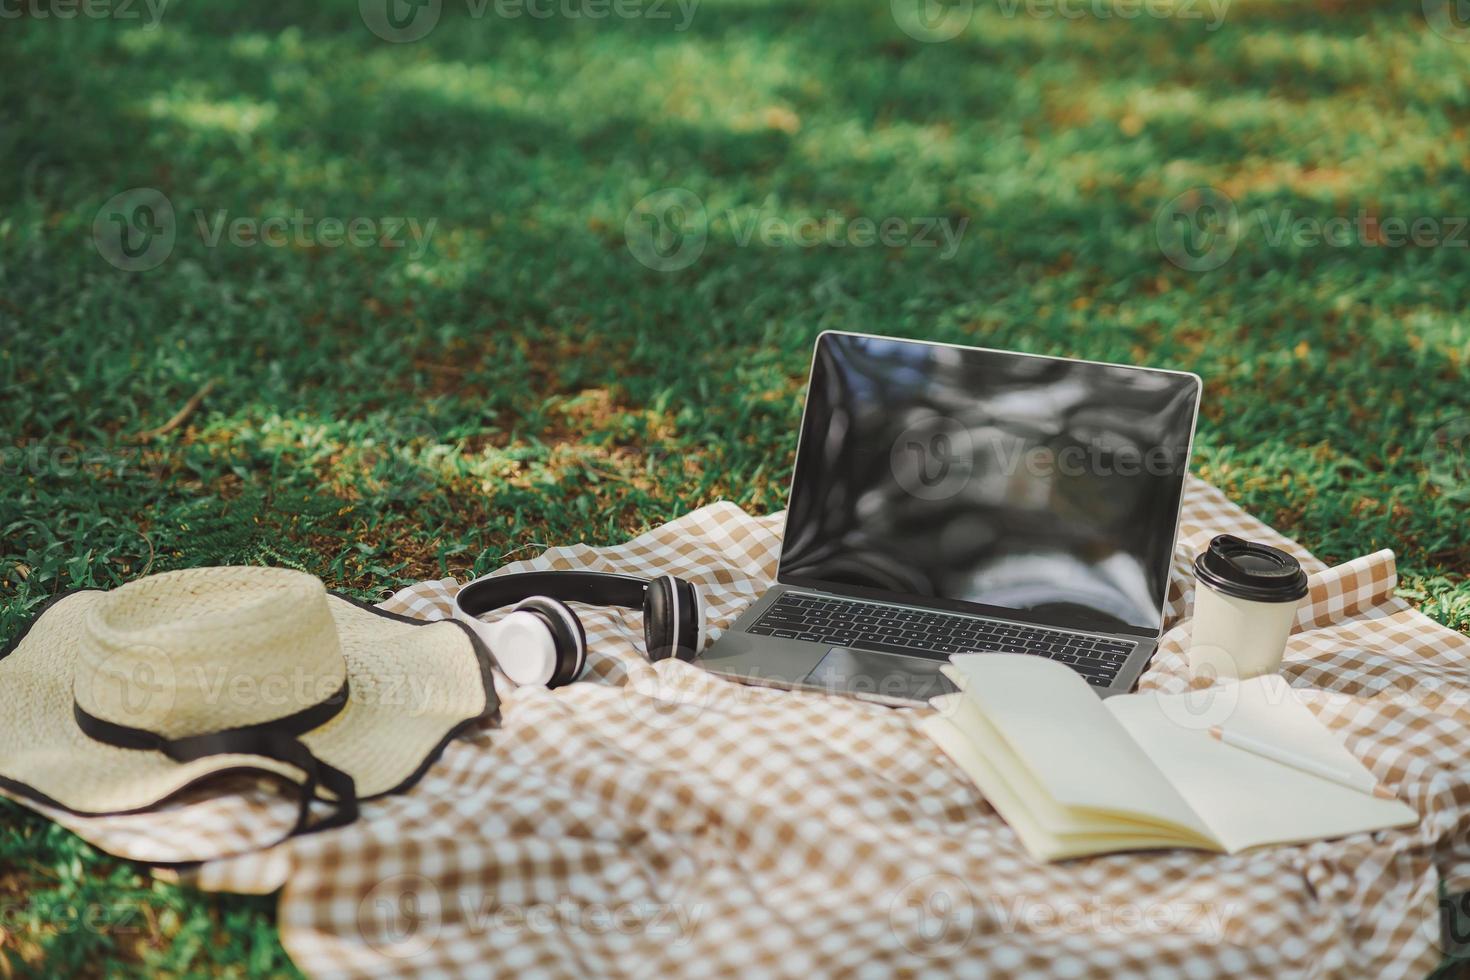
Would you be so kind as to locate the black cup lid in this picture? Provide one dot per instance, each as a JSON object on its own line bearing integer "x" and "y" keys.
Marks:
{"x": 1246, "y": 570}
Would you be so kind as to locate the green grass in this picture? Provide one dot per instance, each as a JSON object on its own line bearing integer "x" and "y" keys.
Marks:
{"x": 383, "y": 414}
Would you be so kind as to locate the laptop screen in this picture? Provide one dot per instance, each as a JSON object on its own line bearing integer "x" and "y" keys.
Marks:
{"x": 986, "y": 481}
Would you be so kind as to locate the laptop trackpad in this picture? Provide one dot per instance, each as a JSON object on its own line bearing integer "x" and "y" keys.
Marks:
{"x": 878, "y": 675}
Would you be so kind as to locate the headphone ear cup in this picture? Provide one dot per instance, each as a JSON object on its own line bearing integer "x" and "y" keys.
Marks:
{"x": 567, "y": 634}
{"x": 673, "y": 624}
{"x": 524, "y": 647}
{"x": 691, "y": 644}
{"x": 658, "y": 619}
{"x": 691, "y": 620}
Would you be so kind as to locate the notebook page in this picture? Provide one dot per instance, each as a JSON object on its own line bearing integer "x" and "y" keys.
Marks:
{"x": 1001, "y": 764}
{"x": 1246, "y": 800}
{"x": 1067, "y": 740}
{"x": 998, "y": 793}
{"x": 1256, "y": 708}
{"x": 1047, "y": 831}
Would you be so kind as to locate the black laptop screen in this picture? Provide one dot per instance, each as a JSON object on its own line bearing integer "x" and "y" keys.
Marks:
{"x": 985, "y": 481}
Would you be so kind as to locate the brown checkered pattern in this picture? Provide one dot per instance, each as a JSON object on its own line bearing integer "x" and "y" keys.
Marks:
{"x": 655, "y": 820}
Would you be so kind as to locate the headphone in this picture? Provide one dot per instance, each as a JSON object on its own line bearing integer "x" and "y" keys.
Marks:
{"x": 541, "y": 641}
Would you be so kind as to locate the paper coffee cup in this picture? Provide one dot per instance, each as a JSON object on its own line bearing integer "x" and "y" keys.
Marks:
{"x": 1245, "y": 602}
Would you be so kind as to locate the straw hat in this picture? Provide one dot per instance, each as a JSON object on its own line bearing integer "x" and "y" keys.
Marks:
{"x": 111, "y": 702}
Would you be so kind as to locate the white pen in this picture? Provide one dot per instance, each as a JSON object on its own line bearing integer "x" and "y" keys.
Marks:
{"x": 1301, "y": 763}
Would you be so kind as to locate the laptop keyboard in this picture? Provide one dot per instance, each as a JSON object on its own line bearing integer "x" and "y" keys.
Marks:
{"x": 934, "y": 635}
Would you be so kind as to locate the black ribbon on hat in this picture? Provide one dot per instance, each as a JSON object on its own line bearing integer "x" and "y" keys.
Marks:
{"x": 276, "y": 739}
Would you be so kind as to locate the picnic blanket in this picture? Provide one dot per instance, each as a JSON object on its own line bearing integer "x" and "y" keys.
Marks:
{"x": 658, "y": 821}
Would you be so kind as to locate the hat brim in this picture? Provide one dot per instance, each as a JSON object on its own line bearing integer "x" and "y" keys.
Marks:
{"x": 412, "y": 687}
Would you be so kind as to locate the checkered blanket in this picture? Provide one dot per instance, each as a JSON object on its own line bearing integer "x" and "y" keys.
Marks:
{"x": 656, "y": 820}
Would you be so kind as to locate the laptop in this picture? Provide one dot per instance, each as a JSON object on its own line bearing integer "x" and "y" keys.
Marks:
{"x": 952, "y": 499}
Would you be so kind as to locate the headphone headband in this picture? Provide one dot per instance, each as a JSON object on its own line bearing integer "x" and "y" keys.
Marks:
{"x": 541, "y": 641}
{"x": 597, "y": 588}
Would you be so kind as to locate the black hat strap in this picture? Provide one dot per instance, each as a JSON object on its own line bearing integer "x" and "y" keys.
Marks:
{"x": 277, "y": 739}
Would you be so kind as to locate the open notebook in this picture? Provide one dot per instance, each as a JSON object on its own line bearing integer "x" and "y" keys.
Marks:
{"x": 1074, "y": 774}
